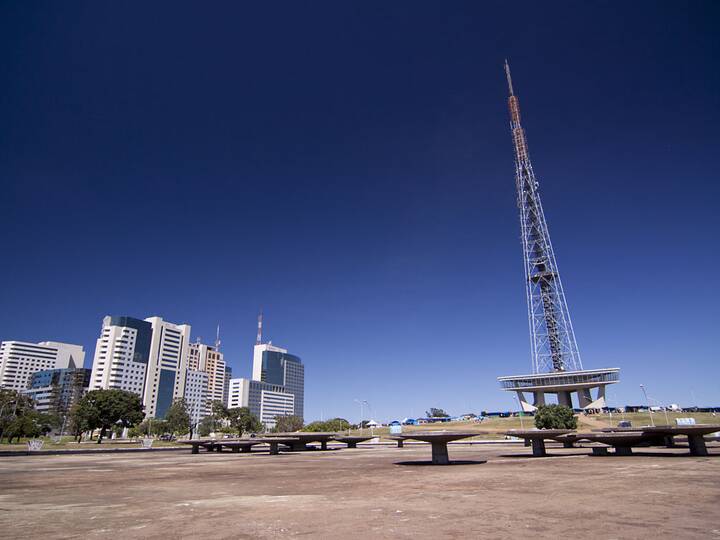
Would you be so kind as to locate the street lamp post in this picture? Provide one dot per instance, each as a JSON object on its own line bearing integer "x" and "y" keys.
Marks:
{"x": 522, "y": 426}
{"x": 652, "y": 421}
{"x": 361, "y": 413}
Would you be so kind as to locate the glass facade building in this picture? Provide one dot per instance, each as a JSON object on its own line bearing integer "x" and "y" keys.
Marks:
{"x": 55, "y": 391}
{"x": 283, "y": 369}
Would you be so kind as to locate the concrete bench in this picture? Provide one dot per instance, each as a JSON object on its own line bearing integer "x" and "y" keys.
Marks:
{"x": 439, "y": 441}
{"x": 208, "y": 445}
{"x": 298, "y": 441}
{"x": 695, "y": 435}
{"x": 351, "y": 441}
{"x": 622, "y": 442}
{"x": 399, "y": 440}
{"x": 537, "y": 438}
{"x": 240, "y": 445}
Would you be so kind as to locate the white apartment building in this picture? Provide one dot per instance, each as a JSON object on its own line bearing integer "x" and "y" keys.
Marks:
{"x": 207, "y": 358}
{"x": 147, "y": 357}
{"x": 264, "y": 400}
{"x": 122, "y": 353}
{"x": 165, "y": 379}
{"x": 20, "y": 359}
{"x": 196, "y": 395}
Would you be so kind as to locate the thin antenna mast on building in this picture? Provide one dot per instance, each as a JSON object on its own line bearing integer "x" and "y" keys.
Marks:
{"x": 217, "y": 338}
{"x": 258, "y": 340}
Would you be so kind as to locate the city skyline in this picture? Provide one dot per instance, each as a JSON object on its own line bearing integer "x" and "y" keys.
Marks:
{"x": 362, "y": 194}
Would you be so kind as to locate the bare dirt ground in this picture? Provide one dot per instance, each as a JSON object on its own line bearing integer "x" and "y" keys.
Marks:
{"x": 381, "y": 492}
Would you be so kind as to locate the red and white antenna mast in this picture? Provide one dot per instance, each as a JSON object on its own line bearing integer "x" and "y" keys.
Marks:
{"x": 258, "y": 340}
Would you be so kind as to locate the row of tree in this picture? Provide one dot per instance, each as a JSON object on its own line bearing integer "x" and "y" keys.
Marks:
{"x": 18, "y": 417}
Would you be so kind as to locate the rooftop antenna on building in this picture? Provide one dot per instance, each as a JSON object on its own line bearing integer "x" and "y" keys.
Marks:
{"x": 217, "y": 339}
{"x": 258, "y": 340}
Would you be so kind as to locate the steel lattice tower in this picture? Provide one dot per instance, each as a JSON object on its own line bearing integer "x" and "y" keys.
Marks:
{"x": 551, "y": 333}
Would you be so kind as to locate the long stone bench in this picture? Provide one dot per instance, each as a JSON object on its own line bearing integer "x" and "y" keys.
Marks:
{"x": 351, "y": 441}
{"x": 240, "y": 445}
{"x": 537, "y": 438}
{"x": 300, "y": 439}
{"x": 622, "y": 442}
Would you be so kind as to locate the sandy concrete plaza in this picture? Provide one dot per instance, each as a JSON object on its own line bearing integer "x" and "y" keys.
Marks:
{"x": 495, "y": 491}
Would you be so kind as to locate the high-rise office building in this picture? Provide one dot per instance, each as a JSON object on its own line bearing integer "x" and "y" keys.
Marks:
{"x": 226, "y": 385}
{"x": 196, "y": 395}
{"x": 275, "y": 366}
{"x": 55, "y": 391}
{"x": 208, "y": 359}
{"x": 147, "y": 357}
{"x": 19, "y": 360}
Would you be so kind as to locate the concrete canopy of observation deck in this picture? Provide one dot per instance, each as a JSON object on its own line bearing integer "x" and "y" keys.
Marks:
{"x": 563, "y": 384}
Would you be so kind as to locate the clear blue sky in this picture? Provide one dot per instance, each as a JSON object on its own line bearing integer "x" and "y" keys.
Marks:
{"x": 348, "y": 167}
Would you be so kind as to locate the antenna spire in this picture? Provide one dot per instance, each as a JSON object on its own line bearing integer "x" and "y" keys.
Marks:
{"x": 258, "y": 341}
{"x": 217, "y": 338}
{"x": 509, "y": 78}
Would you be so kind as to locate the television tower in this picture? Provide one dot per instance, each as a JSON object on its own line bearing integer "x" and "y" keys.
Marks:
{"x": 551, "y": 333}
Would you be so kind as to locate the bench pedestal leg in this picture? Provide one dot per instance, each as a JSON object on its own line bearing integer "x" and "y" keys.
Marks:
{"x": 669, "y": 441}
{"x": 440, "y": 454}
{"x": 323, "y": 445}
{"x": 400, "y": 444}
{"x": 538, "y": 447}
{"x": 245, "y": 449}
{"x": 218, "y": 447}
{"x": 527, "y": 442}
{"x": 623, "y": 451}
{"x": 568, "y": 444}
{"x": 352, "y": 445}
{"x": 274, "y": 449}
{"x": 235, "y": 449}
{"x": 697, "y": 445}
{"x": 195, "y": 449}
{"x": 600, "y": 451}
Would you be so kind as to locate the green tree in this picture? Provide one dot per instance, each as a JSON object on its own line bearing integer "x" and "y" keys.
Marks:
{"x": 287, "y": 424}
{"x": 81, "y": 418}
{"x": 105, "y": 408}
{"x": 243, "y": 421}
{"x": 14, "y": 406}
{"x": 555, "y": 417}
{"x": 333, "y": 425}
{"x": 436, "y": 413}
{"x": 177, "y": 418}
{"x": 31, "y": 424}
{"x": 219, "y": 410}
{"x": 206, "y": 426}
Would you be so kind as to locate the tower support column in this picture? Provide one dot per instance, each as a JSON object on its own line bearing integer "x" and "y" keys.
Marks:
{"x": 565, "y": 398}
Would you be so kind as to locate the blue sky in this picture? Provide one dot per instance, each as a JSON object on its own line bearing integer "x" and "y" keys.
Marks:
{"x": 347, "y": 167}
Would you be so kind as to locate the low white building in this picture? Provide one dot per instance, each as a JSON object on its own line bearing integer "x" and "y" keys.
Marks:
{"x": 265, "y": 400}
{"x": 19, "y": 360}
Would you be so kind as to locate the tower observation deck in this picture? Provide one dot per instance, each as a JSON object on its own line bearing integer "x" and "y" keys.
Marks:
{"x": 556, "y": 364}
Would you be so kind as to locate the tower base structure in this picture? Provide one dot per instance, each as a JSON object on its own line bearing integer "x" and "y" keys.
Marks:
{"x": 563, "y": 384}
